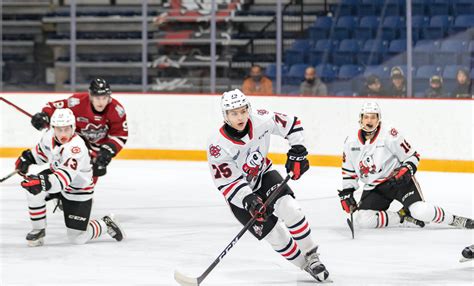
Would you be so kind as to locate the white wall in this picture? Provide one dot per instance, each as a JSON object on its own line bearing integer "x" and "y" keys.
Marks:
{"x": 439, "y": 129}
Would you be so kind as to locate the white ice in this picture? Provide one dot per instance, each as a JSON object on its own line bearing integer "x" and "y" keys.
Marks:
{"x": 175, "y": 219}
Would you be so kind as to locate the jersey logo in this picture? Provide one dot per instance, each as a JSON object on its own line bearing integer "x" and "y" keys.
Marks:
{"x": 120, "y": 111}
{"x": 253, "y": 164}
{"x": 262, "y": 112}
{"x": 367, "y": 166}
{"x": 76, "y": 150}
{"x": 394, "y": 132}
{"x": 94, "y": 133}
{"x": 59, "y": 104}
{"x": 215, "y": 151}
{"x": 258, "y": 229}
{"x": 72, "y": 101}
{"x": 82, "y": 119}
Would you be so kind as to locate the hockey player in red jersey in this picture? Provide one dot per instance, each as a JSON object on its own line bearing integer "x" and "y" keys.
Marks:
{"x": 69, "y": 177}
{"x": 100, "y": 119}
{"x": 237, "y": 156}
{"x": 382, "y": 159}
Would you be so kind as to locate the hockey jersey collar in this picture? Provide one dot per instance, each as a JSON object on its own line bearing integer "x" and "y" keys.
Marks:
{"x": 235, "y": 140}
{"x": 361, "y": 136}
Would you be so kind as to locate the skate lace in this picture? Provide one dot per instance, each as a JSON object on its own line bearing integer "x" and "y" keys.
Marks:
{"x": 312, "y": 260}
{"x": 459, "y": 221}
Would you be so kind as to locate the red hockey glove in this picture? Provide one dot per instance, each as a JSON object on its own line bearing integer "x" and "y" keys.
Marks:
{"x": 402, "y": 175}
{"x": 348, "y": 202}
{"x": 36, "y": 183}
{"x": 23, "y": 162}
{"x": 297, "y": 162}
{"x": 254, "y": 205}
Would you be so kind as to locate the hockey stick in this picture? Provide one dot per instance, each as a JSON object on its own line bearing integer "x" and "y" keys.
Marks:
{"x": 8, "y": 176}
{"x": 16, "y": 107}
{"x": 350, "y": 222}
{"x": 186, "y": 280}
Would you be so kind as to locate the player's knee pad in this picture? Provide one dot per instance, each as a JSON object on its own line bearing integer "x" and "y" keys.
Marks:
{"x": 288, "y": 209}
{"x": 77, "y": 236}
{"x": 366, "y": 218}
{"x": 279, "y": 236}
{"x": 422, "y": 211}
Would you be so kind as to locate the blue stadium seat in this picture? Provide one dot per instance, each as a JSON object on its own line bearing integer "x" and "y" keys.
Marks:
{"x": 346, "y": 53}
{"x": 367, "y": 28}
{"x": 423, "y": 75}
{"x": 462, "y": 23}
{"x": 297, "y": 53}
{"x": 438, "y": 28}
{"x": 270, "y": 71}
{"x": 423, "y": 51}
{"x": 391, "y": 27}
{"x": 420, "y": 7}
{"x": 349, "y": 71}
{"x": 439, "y": 7}
{"x": 372, "y": 53}
{"x": 344, "y": 27}
{"x": 322, "y": 51}
{"x": 382, "y": 72}
{"x": 463, "y": 7}
{"x": 418, "y": 22}
{"x": 321, "y": 28}
{"x": 295, "y": 74}
{"x": 369, "y": 7}
{"x": 394, "y": 8}
{"x": 396, "y": 52}
{"x": 467, "y": 59}
{"x": 345, "y": 7}
{"x": 450, "y": 52}
{"x": 327, "y": 72}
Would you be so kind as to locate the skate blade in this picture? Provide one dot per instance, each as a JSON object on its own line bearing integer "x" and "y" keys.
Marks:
{"x": 36, "y": 243}
{"x": 325, "y": 281}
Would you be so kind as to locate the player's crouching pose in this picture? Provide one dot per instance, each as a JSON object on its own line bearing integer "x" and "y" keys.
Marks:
{"x": 381, "y": 158}
{"x": 70, "y": 177}
{"x": 244, "y": 175}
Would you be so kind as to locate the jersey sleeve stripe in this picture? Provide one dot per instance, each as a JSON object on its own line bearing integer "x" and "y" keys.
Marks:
{"x": 62, "y": 178}
{"x": 295, "y": 127}
{"x": 225, "y": 185}
{"x": 116, "y": 140}
{"x": 348, "y": 171}
{"x": 41, "y": 154}
{"x": 59, "y": 180}
{"x": 67, "y": 174}
{"x": 227, "y": 190}
{"x": 236, "y": 191}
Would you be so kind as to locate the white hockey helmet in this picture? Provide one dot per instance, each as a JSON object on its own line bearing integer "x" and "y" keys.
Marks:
{"x": 370, "y": 107}
{"x": 63, "y": 117}
{"x": 233, "y": 99}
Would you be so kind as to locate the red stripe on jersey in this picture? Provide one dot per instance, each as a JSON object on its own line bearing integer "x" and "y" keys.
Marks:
{"x": 38, "y": 213}
{"x": 41, "y": 153}
{"x": 291, "y": 251}
{"x": 226, "y": 191}
{"x": 303, "y": 228}
{"x": 94, "y": 228}
{"x": 63, "y": 177}
{"x": 438, "y": 214}
{"x": 81, "y": 189}
{"x": 297, "y": 122}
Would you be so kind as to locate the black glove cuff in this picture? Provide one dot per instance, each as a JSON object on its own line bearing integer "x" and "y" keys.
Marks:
{"x": 411, "y": 167}
{"x": 111, "y": 148}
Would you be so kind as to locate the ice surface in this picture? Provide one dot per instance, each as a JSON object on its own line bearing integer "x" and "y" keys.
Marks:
{"x": 175, "y": 219}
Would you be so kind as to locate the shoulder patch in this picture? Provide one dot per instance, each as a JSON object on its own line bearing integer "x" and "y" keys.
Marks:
{"x": 73, "y": 101}
{"x": 58, "y": 104}
{"x": 120, "y": 111}
{"x": 215, "y": 151}
{"x": 76, "y": 150}
{"x": 394, "y": 132}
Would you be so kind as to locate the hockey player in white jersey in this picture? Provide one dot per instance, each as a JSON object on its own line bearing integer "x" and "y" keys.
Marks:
{"x": 237, "y": 156}
{"x": 382, "y": 159}
{"x": 69, "y": 178}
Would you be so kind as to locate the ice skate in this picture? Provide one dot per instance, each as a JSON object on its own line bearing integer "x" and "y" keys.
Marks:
{"x": 113, "y": 228}
{"x": 36, "y": 237}
{"x": 314, "y": 266}
{"x": 406, "y": 219}
{"x": 462, "y": 222}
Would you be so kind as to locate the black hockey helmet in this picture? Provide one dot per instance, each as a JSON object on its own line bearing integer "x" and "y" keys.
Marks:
{"x": 99, "y": 86}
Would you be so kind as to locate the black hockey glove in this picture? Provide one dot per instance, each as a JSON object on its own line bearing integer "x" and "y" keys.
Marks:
{"x": 297, "y": 162}
{"x": 402, "y": 175}
{"x": 254, "y": 205}
{"x": 40, "y": 120}
{"x": 36, "y": 183}
{"x": 348, "y": 202}
{"x": 23, "y": 162}
{"x": 104, "y": 156}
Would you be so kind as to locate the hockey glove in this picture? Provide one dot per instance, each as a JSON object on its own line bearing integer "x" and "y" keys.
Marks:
{"x": 104, "y": 156}
{"x": 297, "y": 162}
{"x": 40, "y": 120}
{"x": 36, "y": 183}
{"x": 254, "y": 205}
{"x": 402, "y": 175}
{"x": 348, "y": 202}
{"x": 23, "y": 162}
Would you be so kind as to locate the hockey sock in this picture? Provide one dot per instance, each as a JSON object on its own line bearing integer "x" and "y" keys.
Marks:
{"x": 37, "y": 209}
{"x": 377, "y": 219}
{"x": 282, "y": 242}
{"x": 94, "y": 230}
{"x": 427, "y": 212}
{"x": 288, "y": 209}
